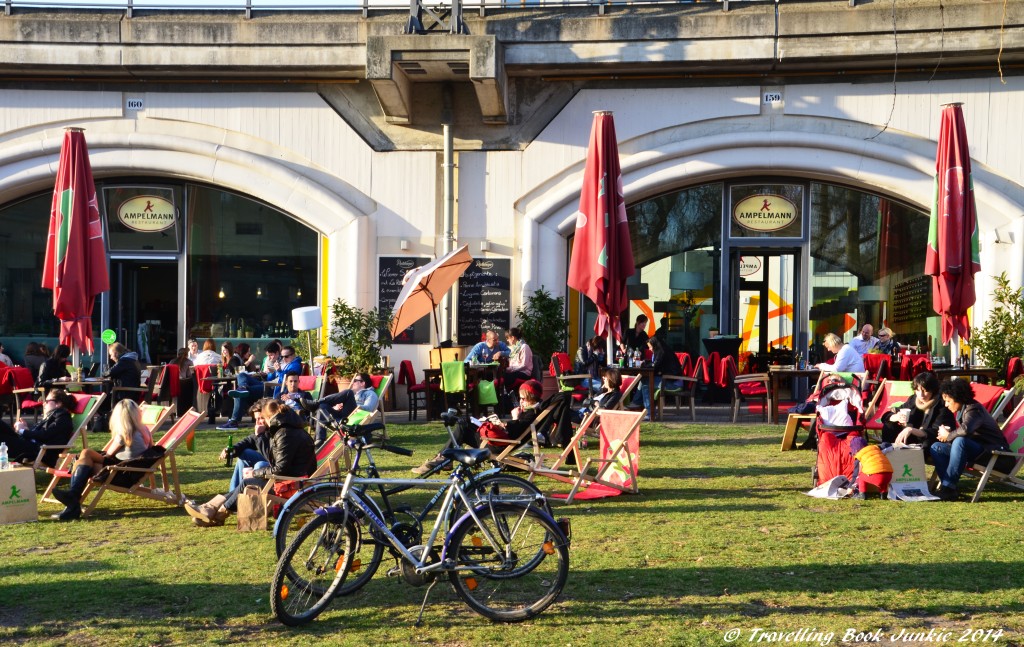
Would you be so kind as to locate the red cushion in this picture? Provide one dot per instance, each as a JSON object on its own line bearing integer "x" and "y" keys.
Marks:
{"x": 752, "y": 388}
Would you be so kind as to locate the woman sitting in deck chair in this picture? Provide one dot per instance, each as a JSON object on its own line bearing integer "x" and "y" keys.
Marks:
{"x": 477, "y": 436}
{"x": 132, "y": 440}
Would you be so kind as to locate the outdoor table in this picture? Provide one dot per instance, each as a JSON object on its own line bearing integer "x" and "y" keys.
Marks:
{"x": 88, "y": 384}
{"x": 474, "y": 373}
{"x": 776, "y": 374}
{"x": 984, "y": 373}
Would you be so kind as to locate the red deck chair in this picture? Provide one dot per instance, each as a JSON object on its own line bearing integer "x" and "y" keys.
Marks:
{"x": 888, "y": 394}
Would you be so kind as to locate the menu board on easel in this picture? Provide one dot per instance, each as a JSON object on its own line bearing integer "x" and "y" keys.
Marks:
{"x": 392, "y": 270}
{"x": 484, "y": 300}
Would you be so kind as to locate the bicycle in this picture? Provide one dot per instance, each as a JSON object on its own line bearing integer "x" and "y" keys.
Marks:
{"x": 298, "y": 510}
{"x": 507, "y": 560}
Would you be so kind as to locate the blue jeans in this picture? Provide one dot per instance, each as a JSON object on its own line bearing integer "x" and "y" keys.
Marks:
{"x": 645, "y": 392}
{"x": 248, "y": 458}
{"x": 252, "y": 384}
{"x": 950, "y": 459}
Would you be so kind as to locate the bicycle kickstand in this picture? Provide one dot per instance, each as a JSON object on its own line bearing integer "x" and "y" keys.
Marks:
{"x": 419, "y": 619}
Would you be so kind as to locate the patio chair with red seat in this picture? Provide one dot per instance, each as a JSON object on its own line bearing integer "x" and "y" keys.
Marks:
{"x": 561, "y": 368}
{"x": 743, "y": 388}
{"x": 15, "y": 383}
{"x": 205, "y": 389}
{"x": 877, "y": 367}
{"x": 913, "y": 364}
{"x": 138, "y": 476}
{"x": 417, "y": 392}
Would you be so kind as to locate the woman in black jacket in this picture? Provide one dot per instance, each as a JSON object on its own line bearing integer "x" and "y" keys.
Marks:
{"x": 56, "y": 427}
{"x": 664, "y": 362}
{"x": 291, "y": 454}
{"x": 976, "y": 433}
{"x": 56, "y": 367}
{"x": 927, "y": 413}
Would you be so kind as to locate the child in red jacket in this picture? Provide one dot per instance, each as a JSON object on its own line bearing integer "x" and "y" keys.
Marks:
{"x": 872, "y": 467}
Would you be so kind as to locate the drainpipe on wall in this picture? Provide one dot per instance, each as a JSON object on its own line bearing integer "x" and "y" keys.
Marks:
{"x": 448, "y": 217}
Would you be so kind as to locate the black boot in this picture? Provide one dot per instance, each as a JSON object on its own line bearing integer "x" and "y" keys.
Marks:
{"x": 72, "y": 497}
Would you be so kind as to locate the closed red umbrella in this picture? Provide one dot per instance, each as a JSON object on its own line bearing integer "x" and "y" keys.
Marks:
{"x": 952, "y": 258}
{"x": 75, "y": 267}
{"x": 602, "y": 254}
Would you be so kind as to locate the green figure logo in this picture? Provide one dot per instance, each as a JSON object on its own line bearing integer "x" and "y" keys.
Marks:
{"x": 15, "y": 492}
{"x": 907, "y": 471}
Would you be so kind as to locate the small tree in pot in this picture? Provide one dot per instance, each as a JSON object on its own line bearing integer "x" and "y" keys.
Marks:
{"x": 1002, "y": 335}
{"x": 543, "y": 323}
{"x": 360, "y": 336}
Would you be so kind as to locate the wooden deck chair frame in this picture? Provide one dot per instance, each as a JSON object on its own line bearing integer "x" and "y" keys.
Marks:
{"x": 558, "y": 470}
{"x": 526, "y": 441}
{"x": 627, "y": 393}
{"x": 988, "y": 473}
{"x": 168, "y": 489}
{"x": 882, "y": 399}
{"x": 153, "y": 416}
{"x": 81, "y": 423}
{"x": 329, "y": 456}
{"x": 632, "y": 420}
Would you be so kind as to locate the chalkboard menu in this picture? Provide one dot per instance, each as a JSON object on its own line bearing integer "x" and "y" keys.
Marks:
{"x": 392, "y": 270}
{"x": 484, "y": 298}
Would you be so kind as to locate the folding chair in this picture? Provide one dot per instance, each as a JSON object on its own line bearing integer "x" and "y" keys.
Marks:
{"x": 1003, "y": 467}
{"x": 515, "y": 450}
{"x": 153, "y": 417}
{"x": 991, "y": 397}
{"x": 86, "y": 407}
{"x": 888, "y": 394}
{"x": 138, "y": 477}
{"x": 615, "y": 469}
{"x": 627, "y": 388}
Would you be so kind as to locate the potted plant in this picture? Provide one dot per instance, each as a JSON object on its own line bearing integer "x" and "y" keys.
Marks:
{"x": 359, "y": 335}
{"x": 1002, "y": 335}
{"x": 545, "y": 328}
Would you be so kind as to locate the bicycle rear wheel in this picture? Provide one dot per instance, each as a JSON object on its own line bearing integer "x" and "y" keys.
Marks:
{"x": 298, "y": 511}
{"x": 499, "y": 488}
{"x": 312, "y": 569}
{"x": 519, "y": 576}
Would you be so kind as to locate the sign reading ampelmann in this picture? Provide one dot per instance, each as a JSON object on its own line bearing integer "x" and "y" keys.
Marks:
{"x": 764, "y": 212}
{"x": 146, "y": 213}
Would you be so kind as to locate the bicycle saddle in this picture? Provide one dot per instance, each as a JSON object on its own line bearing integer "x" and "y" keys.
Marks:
{"x": 466, "y": 456}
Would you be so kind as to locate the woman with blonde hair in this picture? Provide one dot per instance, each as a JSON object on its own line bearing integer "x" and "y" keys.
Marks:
{"x": 131, "y": 440}
{"x": 847, "y": 359}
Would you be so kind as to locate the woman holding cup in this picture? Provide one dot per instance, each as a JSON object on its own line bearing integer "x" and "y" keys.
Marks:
{"x": 974, "y": 434}
{"x": 917, "y": 421}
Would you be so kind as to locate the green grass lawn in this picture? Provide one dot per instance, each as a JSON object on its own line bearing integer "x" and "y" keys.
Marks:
{"x": 721, "y": 537}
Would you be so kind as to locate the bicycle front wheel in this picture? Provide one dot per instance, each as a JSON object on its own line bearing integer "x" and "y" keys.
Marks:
{"x": 511, "y": 565}
{"x": 312, "y": 568}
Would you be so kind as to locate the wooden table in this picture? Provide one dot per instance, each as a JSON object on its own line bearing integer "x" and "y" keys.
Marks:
{"x": 776, "y": 374}
{"x": 987, "y": 375}
{"x": 473, "y": 374}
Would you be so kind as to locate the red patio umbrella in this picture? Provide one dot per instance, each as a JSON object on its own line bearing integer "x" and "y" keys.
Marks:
{"x": 602, "y": 254}
{"x": 75, "y": 267}
{"x": 952, "y": 258}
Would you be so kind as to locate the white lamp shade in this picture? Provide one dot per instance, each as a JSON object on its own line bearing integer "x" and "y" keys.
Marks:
{"x": 307, "y": 318}
{"x": 685, "y": 280}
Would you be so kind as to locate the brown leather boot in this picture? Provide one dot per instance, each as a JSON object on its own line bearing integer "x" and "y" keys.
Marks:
{"x": 207, "y": 511}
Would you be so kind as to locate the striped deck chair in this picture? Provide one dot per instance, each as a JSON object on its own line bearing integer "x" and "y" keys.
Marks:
{"x": 139, "y": 477}
{"x": 280, "y": 488}
{"x": 64, "y": 455}
{"x": 615, "y": 469}
{"x": 153, "y": 416}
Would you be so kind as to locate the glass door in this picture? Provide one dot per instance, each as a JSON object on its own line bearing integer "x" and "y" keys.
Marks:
{"x": 763, "y": 296}
{"x": 144, "y": 307}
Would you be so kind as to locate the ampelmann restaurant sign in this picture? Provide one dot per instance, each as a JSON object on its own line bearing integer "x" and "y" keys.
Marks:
{"x": 764, "y": 212}
{"x": 146, "y": 213}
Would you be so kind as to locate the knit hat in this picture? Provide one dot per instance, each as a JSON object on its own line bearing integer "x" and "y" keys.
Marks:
{"x": 856, "y": 444}
{"x": 533, "y": 386}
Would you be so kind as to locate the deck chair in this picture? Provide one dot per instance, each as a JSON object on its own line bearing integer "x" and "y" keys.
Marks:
{"x": 629, "y": 385}
{"x": 877, "y": 367}
{"x": 523, "y": 451}
{"x": 153, "y": 416}
{"x": 888, "y": 395}
{"x": 1003, "y": 467}
{"x": 991, "y": 397}
{"x": 280, "y": 488}
{"x": 53, "y": 455}
{"x": 138, "y": 477}
{"x": 615, "y": 469}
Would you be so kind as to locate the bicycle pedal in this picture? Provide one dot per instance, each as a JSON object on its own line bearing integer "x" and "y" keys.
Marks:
{"x": 394, "y": 571}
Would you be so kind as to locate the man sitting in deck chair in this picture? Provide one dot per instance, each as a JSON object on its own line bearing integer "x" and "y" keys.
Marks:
{"x": 56, "y": 427}
{"x": 340, "y": 405}
{"x": 291, "y": 454}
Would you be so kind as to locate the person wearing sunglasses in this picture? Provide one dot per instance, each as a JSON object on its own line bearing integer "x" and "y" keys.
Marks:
{"x": 250, "y": 385}
{"x": 24, "y": 442}
{"x": 887, "y": 342}
{"x": 360, "y": 395}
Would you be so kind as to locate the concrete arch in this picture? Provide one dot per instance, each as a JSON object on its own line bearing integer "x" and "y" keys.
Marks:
{"x": 326, "y": 204}
{"x": 893, "y": 163}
